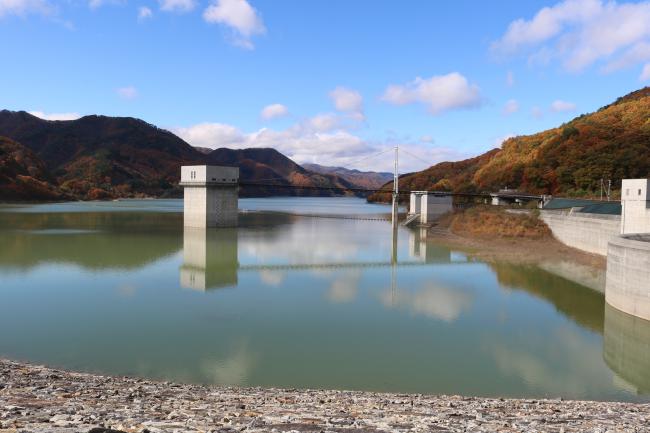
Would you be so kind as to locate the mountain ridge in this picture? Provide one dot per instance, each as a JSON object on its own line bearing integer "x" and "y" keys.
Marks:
{"x": 365, "y": 179}
{"x": 100, "y": 157}
{"x": 570, "y": 160}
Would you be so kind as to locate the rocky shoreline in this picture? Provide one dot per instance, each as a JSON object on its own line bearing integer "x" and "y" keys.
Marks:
{"x": 40, "y": 399}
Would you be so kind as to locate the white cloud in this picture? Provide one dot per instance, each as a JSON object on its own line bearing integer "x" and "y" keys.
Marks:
{"x": 636, "y": 54}
{"x": 144, "y": 13}
{"x": 128, "y": 92}
{"x": 323, "y": 122}
{"x": 645, "y": 73}
{"x": 274, "y": 111}
{"x": 510, "y": 79}
{"x": 580, "y": 33}
{"x": 349, "y": 101}
{"x": 26, "y": 7}
{"x": 537, "y": 112}
{"x": 560, "y": 106}
{"x": 212, "y": 135}
{"x": 512, "y": 106}
{"x": 94, "y": 4}
{"x": 239, "y": 16}
{"x": 318, "y": 140}
{"x": 440, "y": 93}
{"x": 426, "y": 139}
{"x": 177, "y": 5}
{"x": 55, "y": 116}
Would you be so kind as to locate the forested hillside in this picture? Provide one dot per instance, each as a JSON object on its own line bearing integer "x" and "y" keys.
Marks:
{"x": 23, "y": 174}
{"x": 612, "y": 143}
{"x": 102, "y": 157}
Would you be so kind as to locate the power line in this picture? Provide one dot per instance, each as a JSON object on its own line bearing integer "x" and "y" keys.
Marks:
{"x": 349, "y": 164}
{"x": 351, "y": 189}
{"x": 429, "y": 164}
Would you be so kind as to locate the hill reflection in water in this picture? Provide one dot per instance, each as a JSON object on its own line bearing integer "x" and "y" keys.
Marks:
{"x": 300, "y": 301}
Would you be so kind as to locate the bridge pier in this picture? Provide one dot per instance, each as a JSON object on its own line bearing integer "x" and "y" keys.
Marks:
{"x": 426, "y": 207}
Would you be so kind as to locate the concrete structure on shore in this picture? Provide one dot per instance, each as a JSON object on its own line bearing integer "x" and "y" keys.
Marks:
{"x": 635, "y": 201}
{"x": 210, "y": 195}
{"x": 425, "y": 207}
{"x": 628, "y": 274}
{"x": 624, "y": 239}
{"x": 588, "y": 232}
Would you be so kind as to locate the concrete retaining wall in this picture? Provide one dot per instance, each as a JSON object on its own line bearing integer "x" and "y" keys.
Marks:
{"x": 627, "y": 285}
{"x": 584, "y": 231}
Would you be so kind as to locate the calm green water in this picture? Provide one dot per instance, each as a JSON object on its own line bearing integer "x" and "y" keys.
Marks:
{"x": 300, "y": 301}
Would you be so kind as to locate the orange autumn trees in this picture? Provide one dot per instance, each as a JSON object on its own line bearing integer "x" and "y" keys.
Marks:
{"x": 612, "y": 143}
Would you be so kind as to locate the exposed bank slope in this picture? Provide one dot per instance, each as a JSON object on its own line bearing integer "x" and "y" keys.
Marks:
{"x": 612, "y": 143}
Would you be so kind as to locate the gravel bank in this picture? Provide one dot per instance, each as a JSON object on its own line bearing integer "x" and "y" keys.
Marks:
{"x": 40, "y": 399}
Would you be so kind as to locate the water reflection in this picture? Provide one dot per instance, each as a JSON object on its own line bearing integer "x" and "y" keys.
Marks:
{"x": 97, "y": 241}
{"x": 626, "y": 348}
{"x": 209, "y": 258}
{"x": 430, "y": 300}
{"x": 581, "y": 304}
{"x": 344, "y": 288}
{"x": 587, "y": 276}
{"x": 424, "y": 250}
{"x": 318, "y": 304}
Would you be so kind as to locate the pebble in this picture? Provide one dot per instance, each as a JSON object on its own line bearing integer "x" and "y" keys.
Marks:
{"x": 44, "y": 400}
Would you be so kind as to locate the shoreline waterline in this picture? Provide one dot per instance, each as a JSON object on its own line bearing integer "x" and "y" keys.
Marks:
{"x": 310, "y": 303}
{"x": 35, "y": 398}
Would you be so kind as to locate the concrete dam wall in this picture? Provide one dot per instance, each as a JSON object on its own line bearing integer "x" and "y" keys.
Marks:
{"x": 628, "y": 275}
{"x": 584, "y": 231}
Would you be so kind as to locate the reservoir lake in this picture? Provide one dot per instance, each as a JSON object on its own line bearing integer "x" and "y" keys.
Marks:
{"x": 303, "y": 294}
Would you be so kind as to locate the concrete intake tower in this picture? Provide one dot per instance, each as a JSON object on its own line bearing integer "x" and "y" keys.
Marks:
{"x": 210, "y": 195}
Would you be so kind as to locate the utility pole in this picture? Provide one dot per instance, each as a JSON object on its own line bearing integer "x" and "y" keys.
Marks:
{"x": 609, "y": 189}
{"x": 395, "y": 205}
{"x": 395, "y": 187}
{"x": 602, "y": 182}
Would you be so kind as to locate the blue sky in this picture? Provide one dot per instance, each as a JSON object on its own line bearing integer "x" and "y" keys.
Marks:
{"x": 332, "y": 81}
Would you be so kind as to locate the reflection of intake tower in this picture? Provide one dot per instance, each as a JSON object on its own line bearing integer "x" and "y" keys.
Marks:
{"x": 210, "y": 196}
{"x": 209, "y": 258}
{"x": 626, "y": 348}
